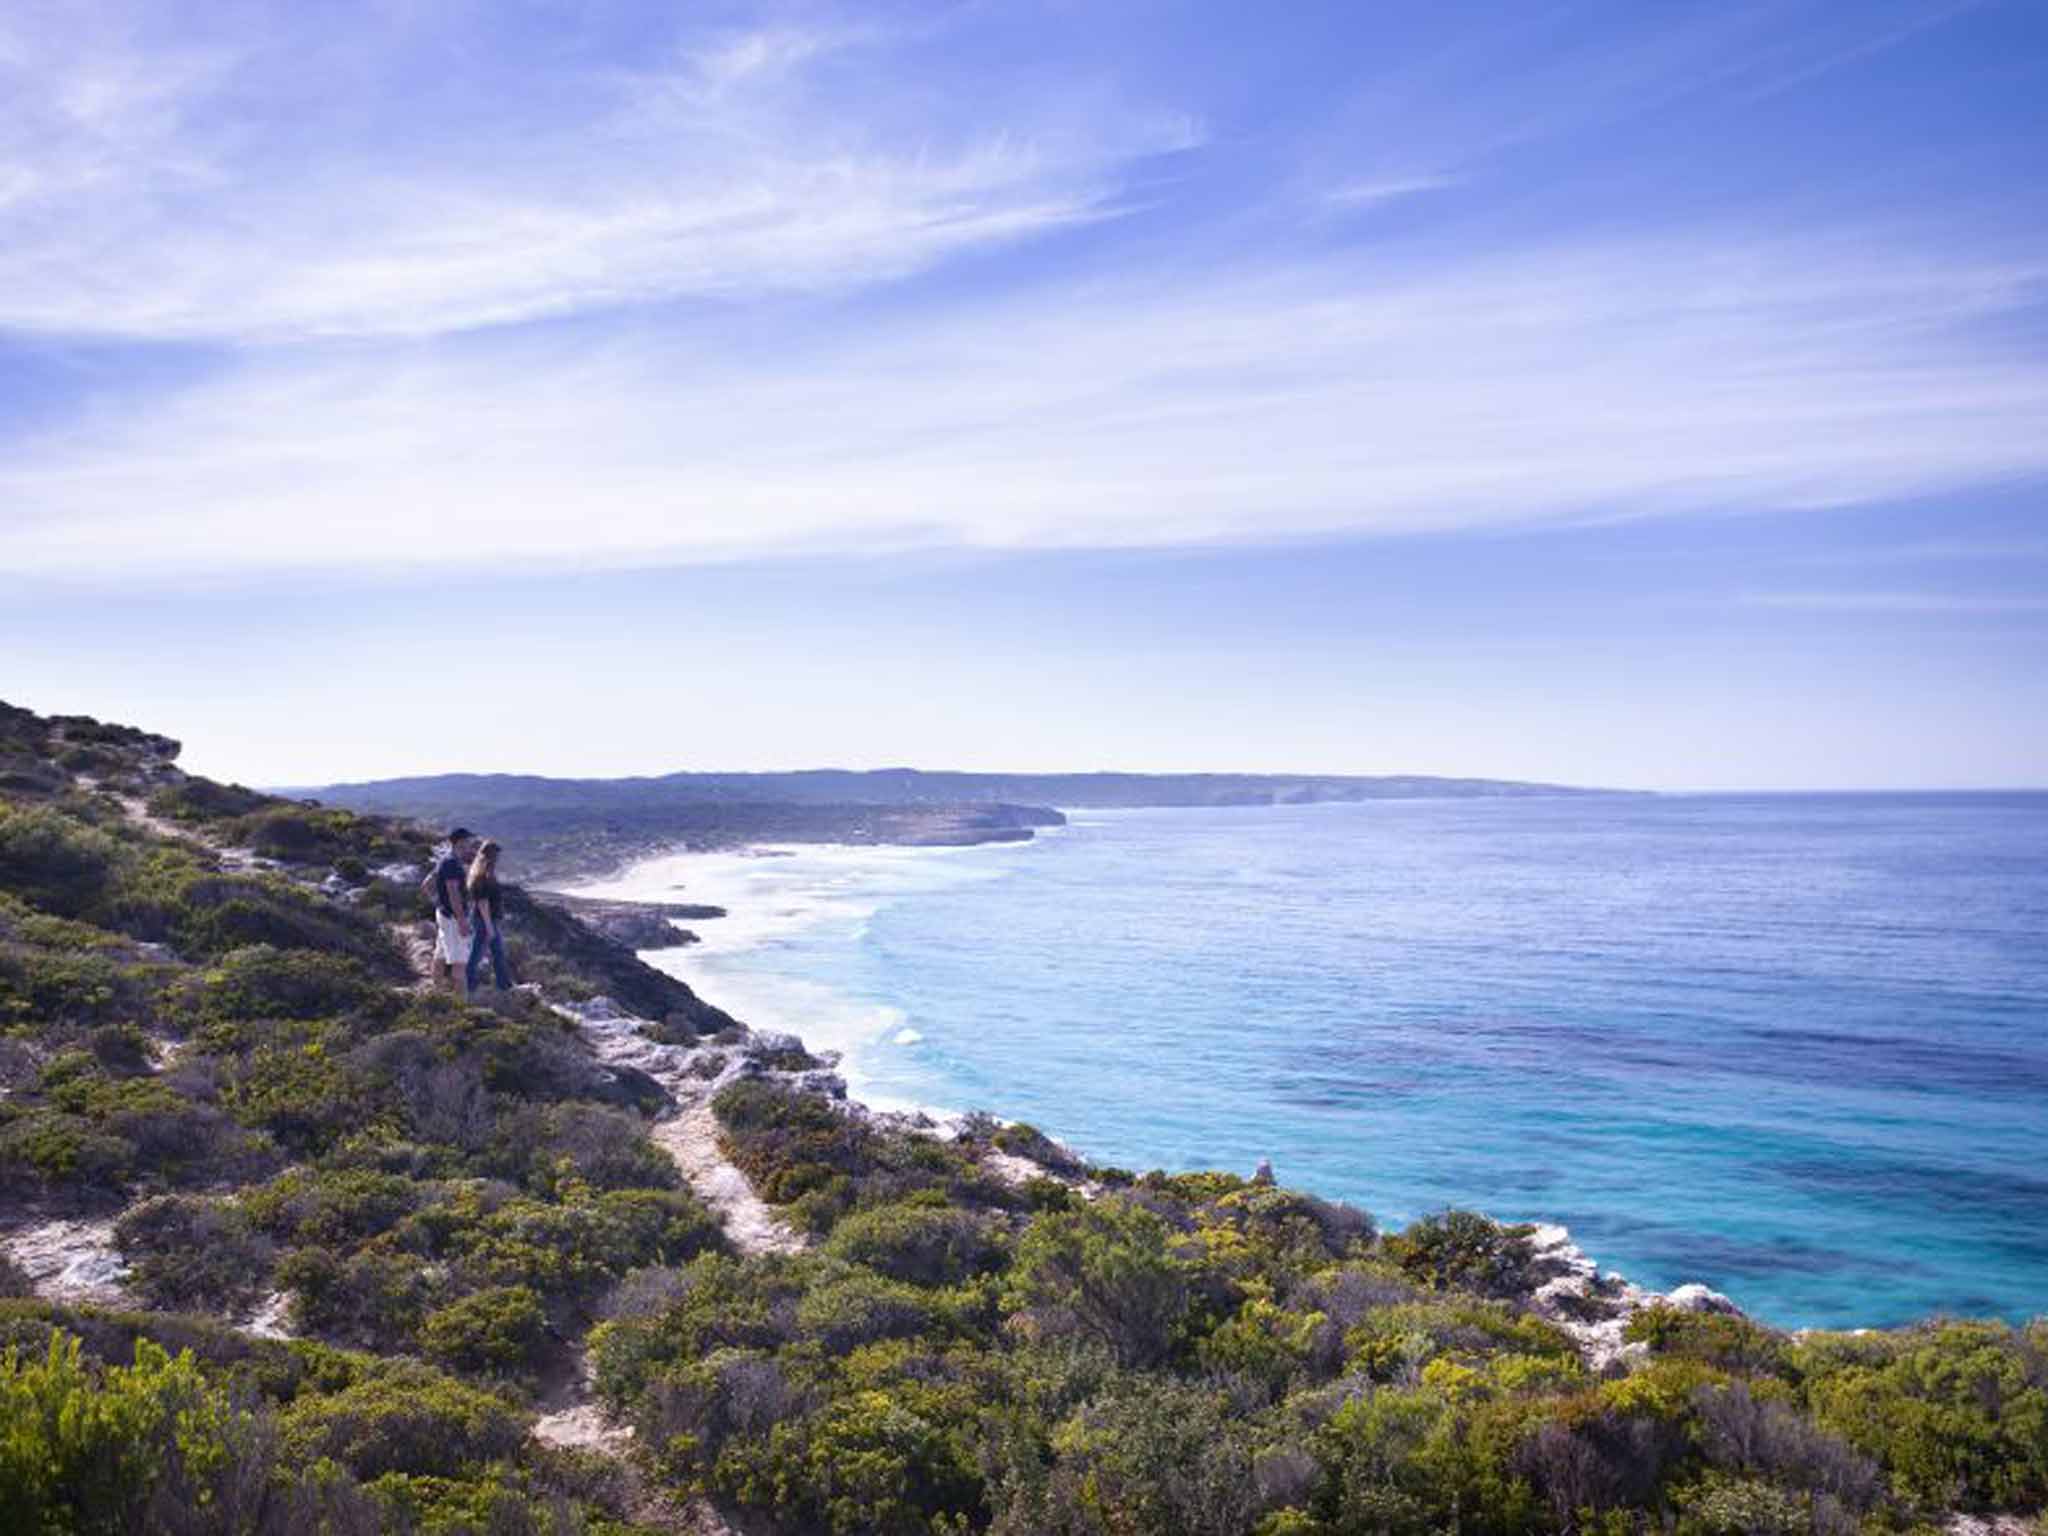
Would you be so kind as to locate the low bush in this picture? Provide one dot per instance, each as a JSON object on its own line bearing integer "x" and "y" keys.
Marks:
{"x": 858, "y": 1308}
{"x": 187, "y": 1253}
{"x": 922, "y": 1244}
{"x": 1151, "y": 1459}
{"x": 153, "y": 1446}
{"x": 374, "y": 1298}
{"x": 302, "y": 1096}
{"x": 261, "y": 981}
{"x": 1103, "y": 1272}
{"x": 1022, "y": 1140}
{"x": 54, "y": 862}
{"x": 498, "y": 1329}
{"x": 894, "y": 1463}
{"x": 589, "y": 1144}
{"x": 1462, "y": 1250}
{"x": 304, "y": 834}
{"x": 801, "y": 1152}
{"x": 403, "y": 1419}
{"x": 1955, "y": 1413}
{"x": 206, "y": 916}
{"x": 55, "y": 993}
{"x": 54, "y": 1152}
{"x": 1396, "y": 1343}
{"x": 566, "y": 1252}
{"x": 1715, "y": 1338}
{"x": 331, "y": 1207}
{"x": 197, "y": 801}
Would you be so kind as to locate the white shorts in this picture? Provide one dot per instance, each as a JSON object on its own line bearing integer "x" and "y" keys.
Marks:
{"x": 451, "y": 944}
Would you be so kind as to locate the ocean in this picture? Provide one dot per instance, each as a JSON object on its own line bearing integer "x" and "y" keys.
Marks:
{"x": 1792, "y": 1046}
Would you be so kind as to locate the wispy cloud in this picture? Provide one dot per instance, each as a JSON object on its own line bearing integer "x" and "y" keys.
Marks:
{"x": 1385, "y": 189}
{"x": 1607, "y": 380}
{"x": 145, "y": 199}
{"x": 1964, "y": 603}
{"x": 381, "y": 287}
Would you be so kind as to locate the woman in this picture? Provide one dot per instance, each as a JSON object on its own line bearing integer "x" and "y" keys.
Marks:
{"x": 486, "y": 915}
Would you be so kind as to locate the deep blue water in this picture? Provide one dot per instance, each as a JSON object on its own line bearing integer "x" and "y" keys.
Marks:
{"x": 1792, "y": 1046}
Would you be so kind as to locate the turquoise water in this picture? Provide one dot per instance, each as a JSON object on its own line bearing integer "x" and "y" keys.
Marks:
{"x": 1792, "y": 1046}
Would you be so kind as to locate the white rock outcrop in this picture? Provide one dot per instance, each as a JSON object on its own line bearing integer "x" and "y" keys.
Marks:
{"x": 1596, "y": 1309}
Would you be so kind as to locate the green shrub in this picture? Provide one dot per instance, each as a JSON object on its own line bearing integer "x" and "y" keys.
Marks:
{"x": 1104, "y": 1272}
{"x": 146, "y": 1447}
{"x": 302, "y": 1096}
{"x": 1022, "y": 1140}
{"x": 207, "y": 916}
{"x": 501, "y": 1328}
{"x": 50, "y": 1148}
{"x": 1263, "y": 1343}
{"x": 1744, "y": 1506}
{"x": 264, "y": 982}
{"x": 376, "y": 1297}
{"x": 799, "y": 1151}
{"x": 590, "y": 1144}
{"x": 568, "y": 1251}
{"x": 199, "y": 801}
{"x": 52, "y": 861}
{"x": 331, "y": 1207}
{"x": 858, "y": 1308}
{"x": 73, "y": 989}
{"x": 403, "y": 1420}
{"x": 1152, "y": 1458}
{"x": 921, "y": 1244}
{"x": 189, "y": 1253}
{"x": 717, "y": 1302}
{"x": 1462, "y": 1250}
{"x": 890, "y": 1463}
{"x": 1716, "y": 1338}
{"x": 1395, "y": 1343}
{"x": 1957, "y": 1415}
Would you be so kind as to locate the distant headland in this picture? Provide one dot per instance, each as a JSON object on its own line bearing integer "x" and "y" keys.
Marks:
{"x": 575, "y": 826}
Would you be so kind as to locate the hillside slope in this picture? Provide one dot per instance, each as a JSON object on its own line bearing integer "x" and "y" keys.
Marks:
{"x": 296, "y": 1243}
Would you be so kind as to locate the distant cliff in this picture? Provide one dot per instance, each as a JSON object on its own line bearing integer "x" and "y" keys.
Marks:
{"x": 912, "y": 787}
{"x": 568, "y": 825}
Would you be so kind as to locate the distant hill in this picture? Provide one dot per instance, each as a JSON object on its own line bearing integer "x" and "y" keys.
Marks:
{"x": 570, "y": 826}
{"x": 913, "y": 786}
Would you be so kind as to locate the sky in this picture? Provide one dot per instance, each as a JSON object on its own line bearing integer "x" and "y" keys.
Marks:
{"x": 1642, "y": 394}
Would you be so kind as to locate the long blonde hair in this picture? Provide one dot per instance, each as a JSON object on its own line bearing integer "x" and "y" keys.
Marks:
{"x": 484, "y": 866}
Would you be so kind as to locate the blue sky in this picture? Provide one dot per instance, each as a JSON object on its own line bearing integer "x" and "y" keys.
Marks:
{"x": 1635, "y": 394}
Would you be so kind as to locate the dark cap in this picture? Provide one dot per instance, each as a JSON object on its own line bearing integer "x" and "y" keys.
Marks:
{"x": 459, "y": 834}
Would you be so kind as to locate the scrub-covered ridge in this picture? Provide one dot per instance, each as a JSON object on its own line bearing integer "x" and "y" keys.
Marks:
{"x": 293, "y": 1241}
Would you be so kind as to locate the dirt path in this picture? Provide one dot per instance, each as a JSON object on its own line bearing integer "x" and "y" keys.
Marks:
{"x": 138, "y": 812}
{"x": 751, "y": 1224}
{"x": 419, "y": 954}
{"x": 690, "y": 1135}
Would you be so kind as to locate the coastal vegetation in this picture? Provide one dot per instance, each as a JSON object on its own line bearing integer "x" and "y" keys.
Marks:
{"x": 367, "y": 1235}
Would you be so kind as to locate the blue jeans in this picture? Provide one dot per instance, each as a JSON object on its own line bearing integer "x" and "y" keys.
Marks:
{"x": 494, "y": 941}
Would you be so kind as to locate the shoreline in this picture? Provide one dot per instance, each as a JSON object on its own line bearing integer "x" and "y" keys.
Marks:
{"x": 1591, "y": 1303}
{"x": 787, "y": 999}
{"x": 855, "y": 1030}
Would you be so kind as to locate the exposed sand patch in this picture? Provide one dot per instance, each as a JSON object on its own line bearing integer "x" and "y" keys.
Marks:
{"x": 72, "y": 1261}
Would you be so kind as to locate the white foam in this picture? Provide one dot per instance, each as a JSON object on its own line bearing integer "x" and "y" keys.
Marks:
{"x": 768, "y": 902}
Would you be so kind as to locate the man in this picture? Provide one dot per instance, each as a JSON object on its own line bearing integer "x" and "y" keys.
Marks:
{"x": 451, "y": 911}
